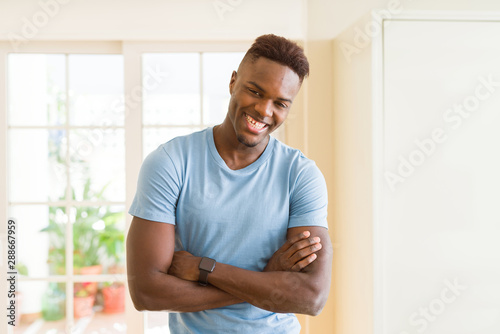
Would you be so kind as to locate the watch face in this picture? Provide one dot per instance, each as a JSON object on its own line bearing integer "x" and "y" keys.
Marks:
{"x": 207, "y": 264}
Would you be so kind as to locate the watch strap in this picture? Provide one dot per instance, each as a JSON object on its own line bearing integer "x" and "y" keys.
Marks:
{"x": 203, "y": 280}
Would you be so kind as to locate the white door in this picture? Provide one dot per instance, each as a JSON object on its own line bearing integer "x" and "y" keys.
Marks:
{"x": 440, "y": 212}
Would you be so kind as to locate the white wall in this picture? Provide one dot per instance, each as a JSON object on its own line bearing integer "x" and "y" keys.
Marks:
{"x": 337, "y": 150}
{"x": 197, "y": 19}
{"x": 150, "y": 19}
{"x": 328, "y": 18}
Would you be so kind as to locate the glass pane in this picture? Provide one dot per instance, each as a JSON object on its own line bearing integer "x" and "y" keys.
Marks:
{"x": 102, "y": 303}
{"x": 43, "y": 308}
{"x": 217, "y": 70}
{"x": 96, "y": 90}
{"x": 101, "y": 322}
{"x": 44, "y": 227}
{"x": 36, "y": 165}
{"x": 171, "y": 89}
{"x": 153, "y": 137}
{"x": 98, "y": 239}
{"x": 97, "y": 164}
{"x": 112, "y": 299}
{"x": 99, "y": 307}
{"x": 157, "y": 322}
{"x": 37, "y": 89}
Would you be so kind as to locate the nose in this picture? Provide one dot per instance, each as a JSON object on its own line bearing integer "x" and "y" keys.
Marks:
{"x": 264, "y": 108}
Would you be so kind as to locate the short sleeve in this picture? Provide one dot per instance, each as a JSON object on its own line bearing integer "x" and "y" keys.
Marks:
{"x": 309, "y": 198}
{"x": 158, "y": 188}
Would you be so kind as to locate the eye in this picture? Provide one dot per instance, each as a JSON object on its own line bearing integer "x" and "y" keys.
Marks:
{"x": 254, "y": 92}
{"x": 281, "y": 105}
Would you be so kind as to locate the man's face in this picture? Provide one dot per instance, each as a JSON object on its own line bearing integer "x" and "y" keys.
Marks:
{"x": 261, "y": 97}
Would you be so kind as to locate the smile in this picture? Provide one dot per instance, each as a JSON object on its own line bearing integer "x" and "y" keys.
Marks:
{"x": 254, "y": 124}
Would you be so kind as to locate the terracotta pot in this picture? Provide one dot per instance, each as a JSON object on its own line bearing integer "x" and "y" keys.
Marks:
{"x": 116, "y": 269}
{"x": 114, "y": 299}
{"x": 82, "y": 306}
{"x": 92, "y": 270}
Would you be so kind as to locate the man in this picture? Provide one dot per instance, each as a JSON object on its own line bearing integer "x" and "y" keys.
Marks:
{"x": 213, "y": 208}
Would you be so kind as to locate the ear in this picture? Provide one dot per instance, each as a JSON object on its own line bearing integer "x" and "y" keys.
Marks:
{"x": 232, "y": 81}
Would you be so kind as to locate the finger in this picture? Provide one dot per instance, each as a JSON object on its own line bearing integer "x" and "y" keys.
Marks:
{"x": 294, "y": 239}
{"x": 307, "y": 247}
{"x": 305, "y": 252}
{"x": 301, "y": 244}
{"x": 304, "y": 262}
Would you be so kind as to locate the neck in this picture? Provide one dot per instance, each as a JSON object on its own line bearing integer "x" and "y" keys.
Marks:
{"x": 235, "y": 154}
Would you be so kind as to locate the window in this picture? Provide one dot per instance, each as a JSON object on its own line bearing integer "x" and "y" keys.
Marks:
{"x": 79, "y": 123}
{"x": 191, "y": 92}
{"x": 66, "y": 168}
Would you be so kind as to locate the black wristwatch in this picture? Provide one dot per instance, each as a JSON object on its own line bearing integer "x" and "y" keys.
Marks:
{"x": 207, "y": 265}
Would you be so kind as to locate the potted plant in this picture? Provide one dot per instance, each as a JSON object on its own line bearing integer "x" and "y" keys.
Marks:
{"x": 114, "y": 297}
{"x": 53, "y": 303}
{"x": 96, "y": 236}
{"x": 83, "y": 301}
{"x": 112, "y": 241}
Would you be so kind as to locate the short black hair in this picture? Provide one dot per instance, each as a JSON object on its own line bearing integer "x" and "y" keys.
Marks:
{"x": 280, "y": 50}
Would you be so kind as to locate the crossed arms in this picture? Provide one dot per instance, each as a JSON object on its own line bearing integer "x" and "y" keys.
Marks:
{"x": 295, "y": 280}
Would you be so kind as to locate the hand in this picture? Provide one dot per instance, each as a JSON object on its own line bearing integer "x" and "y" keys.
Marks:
{"x": 185, "y": 266}
{"x": 295, "y": 254}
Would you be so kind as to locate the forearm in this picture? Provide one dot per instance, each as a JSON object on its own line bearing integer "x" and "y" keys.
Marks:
{"x": 279, "y": 288}
{"x": 163, "y": 292}
{"x": 278, "y": 291}
{"x": 149, "y": 254}
{"x": 284, "y": 291}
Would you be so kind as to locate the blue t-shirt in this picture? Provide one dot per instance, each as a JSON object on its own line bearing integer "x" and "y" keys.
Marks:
{"x": 238, "y": 217}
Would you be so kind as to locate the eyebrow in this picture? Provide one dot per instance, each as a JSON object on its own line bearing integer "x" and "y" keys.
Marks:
{"x": 263, "y": 90}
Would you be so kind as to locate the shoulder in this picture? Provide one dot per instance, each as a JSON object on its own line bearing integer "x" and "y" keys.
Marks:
{"x": 182, "y": 144}
{"x": 295, "y": 161}
{"x": 179, "y": 148}
{"x": 304, "y": 177}
{"x": 171, "y": 157}
{"x": 307, "y": 188}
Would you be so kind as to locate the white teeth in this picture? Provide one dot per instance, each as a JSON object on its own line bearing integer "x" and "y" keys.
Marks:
{"x": 255, "y": 124}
